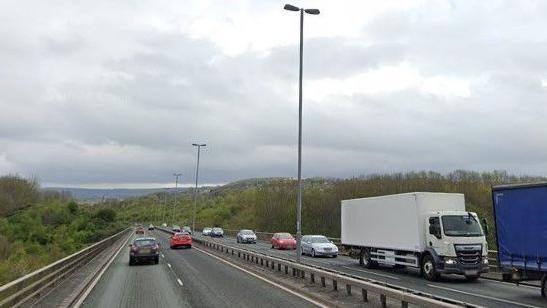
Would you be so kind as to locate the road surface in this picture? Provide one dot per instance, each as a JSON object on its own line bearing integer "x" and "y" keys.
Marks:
{"x": 483, "y": 292}
{"x": 185, "y": 278}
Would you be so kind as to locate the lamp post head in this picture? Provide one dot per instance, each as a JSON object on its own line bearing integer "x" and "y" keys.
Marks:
{"x": 199, "y": 144}
{"x": 289, "y": 7}
{"x": 312, "y": 11}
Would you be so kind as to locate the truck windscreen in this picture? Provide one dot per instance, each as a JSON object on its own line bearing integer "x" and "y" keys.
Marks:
{"x": 461, "y": 225}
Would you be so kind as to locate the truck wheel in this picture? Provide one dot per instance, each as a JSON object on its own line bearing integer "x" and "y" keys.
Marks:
{"x": 313, "y": 253}
{"x": 131, "y": 261}
{"x": 157, "y": 260}
{"x": 366, "y": 261}
{"x": 428, "y": 268}
{"x": 544, "y": 286}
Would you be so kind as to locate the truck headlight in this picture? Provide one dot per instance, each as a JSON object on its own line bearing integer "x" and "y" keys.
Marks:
{"x": 450, "y": 261}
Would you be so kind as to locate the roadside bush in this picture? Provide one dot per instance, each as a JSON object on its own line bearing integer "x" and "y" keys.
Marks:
{"x": 107, "y": 215}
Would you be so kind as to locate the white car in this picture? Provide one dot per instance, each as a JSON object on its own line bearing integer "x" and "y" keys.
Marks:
{"x": 318, "y": 245}
{"x": 206, "y": 231}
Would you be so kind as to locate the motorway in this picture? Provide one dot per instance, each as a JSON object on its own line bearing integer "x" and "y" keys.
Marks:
{"x": 484, "y": 292}
{"x": 185, "y": 278}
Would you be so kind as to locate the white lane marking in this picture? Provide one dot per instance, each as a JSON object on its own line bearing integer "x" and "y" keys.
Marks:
{"x": 483, "y": 296}
{"x": 264, "y": 279}
{"x": 179, "y": 281}
{"x": 511, "y": 283}
{"x": 94, "y": 283}
{"x": 168, "y": 264}
{"x": 373, "y": 273}
{"x": 162, "y": 255}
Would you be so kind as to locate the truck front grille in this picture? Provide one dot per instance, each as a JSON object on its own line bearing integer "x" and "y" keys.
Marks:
{"x": 469, "y": 254}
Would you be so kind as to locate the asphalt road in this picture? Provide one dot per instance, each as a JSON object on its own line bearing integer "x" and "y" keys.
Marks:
{"x": 483, "y": 292}
{"x": 185, "y": 278}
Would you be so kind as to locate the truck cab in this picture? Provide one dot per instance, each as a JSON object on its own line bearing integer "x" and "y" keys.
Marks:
{"x": 456, "y": 244}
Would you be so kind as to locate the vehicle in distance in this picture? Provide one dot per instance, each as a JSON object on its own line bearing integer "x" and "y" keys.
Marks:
{"x": 283, "y": 240}
{"x": 187, "y": 229}
{"x": 164, "y": 225}
{"x": 246, "y": 236}
{"x": 430, "y": 231}
{"x": 318, "y": 245}
{"x": 180, "y": 239}
{"x": 139, "y": 230}
{"x": 144, "y": 249}
{"x": 217, "y": 232}
{"x": 151, "y": 227}
{"x": 206, "y": 231}
{"x": 520, "y": 213}
{"x": 175, "y": 228}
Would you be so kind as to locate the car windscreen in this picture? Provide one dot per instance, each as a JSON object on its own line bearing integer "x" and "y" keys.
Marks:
{"x": 217, "y": 229}
{"x": 141, "y": 243}
{"x": 285, "y": 236}
{"x": 461, "y": 225}
{"x": 182, "y": 234}
{"x": 246, "y": 232}
{"x": 318, "y": 239}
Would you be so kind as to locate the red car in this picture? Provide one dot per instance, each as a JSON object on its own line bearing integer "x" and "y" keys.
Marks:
{"x": 180, "y": 239}
{"x": 283, "y": 240}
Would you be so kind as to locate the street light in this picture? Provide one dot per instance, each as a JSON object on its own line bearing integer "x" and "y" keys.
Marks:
{"x": 176, "y": 175}
{"x": 293, "y": 8}
{"x": 165, "y": 204}
{"x": 199, "y": 145}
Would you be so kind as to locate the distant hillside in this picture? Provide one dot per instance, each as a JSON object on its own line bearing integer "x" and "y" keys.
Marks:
{"x": 92, "y": 195}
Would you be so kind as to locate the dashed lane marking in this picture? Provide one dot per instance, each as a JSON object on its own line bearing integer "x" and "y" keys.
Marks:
{"x": 179, "y": 281}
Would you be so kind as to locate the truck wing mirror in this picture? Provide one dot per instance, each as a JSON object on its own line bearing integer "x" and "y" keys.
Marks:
{"x": 485, "y": 226}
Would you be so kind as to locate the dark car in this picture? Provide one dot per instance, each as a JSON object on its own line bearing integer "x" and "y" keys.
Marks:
{"x": 151, "y": 227}
{"x": 175, "y": 228}
{"x": 144, "y": 249}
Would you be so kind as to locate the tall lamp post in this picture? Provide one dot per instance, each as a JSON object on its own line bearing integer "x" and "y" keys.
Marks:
{"x": 165, "y": 204}
{"x": 293, "y": 8}
{"x": 198, "y": 145}
{"x": 176, "y": 175}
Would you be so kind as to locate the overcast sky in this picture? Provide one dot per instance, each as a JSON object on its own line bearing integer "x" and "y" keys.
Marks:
{"x": 113, "y": 93}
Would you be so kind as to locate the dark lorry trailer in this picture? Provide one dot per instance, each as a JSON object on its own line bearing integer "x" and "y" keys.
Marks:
{"x": 520, "y": 213}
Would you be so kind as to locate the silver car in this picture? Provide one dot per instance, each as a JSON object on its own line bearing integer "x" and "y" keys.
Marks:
{"x": 246, "y": 236}
{"x": 217, "y": 232}
{"x": 318, "y": 245}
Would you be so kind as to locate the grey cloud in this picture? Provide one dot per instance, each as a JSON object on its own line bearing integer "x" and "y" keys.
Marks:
{"x": 97, "y": 110}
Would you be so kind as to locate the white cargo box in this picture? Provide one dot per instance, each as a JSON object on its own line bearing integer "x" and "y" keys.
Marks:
{"x": 395, "y": 221}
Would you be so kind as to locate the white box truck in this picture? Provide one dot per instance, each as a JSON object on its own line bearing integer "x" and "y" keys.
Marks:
{"x": 429, "y": 231}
